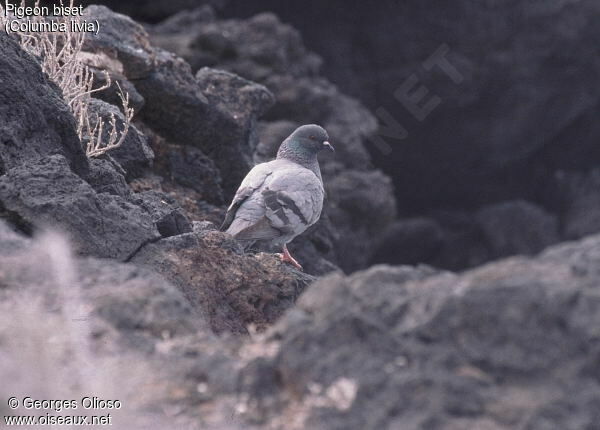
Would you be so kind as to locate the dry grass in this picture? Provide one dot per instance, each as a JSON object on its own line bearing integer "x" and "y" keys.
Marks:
{"x": 60, "y": 57}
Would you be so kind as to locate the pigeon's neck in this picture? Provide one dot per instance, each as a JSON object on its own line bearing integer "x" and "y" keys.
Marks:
{"x": 304, "y": 158}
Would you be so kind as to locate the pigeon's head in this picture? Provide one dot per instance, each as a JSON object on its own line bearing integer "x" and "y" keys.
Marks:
{"x": 309, "y": 140}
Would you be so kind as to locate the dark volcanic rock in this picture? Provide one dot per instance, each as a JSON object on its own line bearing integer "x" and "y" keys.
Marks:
{"x": 267, "y": 51}
{"x": 175, "y": 105}
{"x": 410, "y": 241}
{"x": 517, "y": 228}
{"x": 134, "y": 154}
{"x": 168, "y": 35}
{"x": 454, "y": 240}
{"x": 46, "y": 194}
{"x": 118, "y": 84}
{"x": 121, "y": 39}
{"x": 517, "y": 98}
{"x": 360, "y": 206}
{"x": 107, "y": 176}
{"x": 34, "y": 120}
{"x": 242, "y": 100}
{"x": 578, "y": 196}
{"x": 255, "y": 48}
{"x": 169, "y": 218}
{"x": 233, "y": 291}
{"x": 189, "y": 167}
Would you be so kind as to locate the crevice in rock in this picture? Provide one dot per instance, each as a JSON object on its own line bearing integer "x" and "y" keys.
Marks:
{"x": 16, "y": 221}
{"x": 139, "y": 248}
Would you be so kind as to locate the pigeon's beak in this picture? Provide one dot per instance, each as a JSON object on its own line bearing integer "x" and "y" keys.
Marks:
{"x": 328, "y": 146}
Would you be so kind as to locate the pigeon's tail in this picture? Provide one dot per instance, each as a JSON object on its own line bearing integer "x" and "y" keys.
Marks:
{"x": 234, "y": 227}
{"x": 260, "y": 230}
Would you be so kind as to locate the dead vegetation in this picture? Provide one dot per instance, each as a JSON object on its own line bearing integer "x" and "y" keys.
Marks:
{"x": 61, "y": 59}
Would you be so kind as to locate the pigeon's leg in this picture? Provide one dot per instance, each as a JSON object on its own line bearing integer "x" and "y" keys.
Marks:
{"x": 286, "y": 257}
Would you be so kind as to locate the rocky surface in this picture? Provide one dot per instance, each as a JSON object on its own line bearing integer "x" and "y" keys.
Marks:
{"x": 233, "y": 291}
{"x": 46, "y": 194}
{"x": 509, "y": 345}
{"x": 454, "y": 240}
{"x": 35, "y": 121}
{"x": 578, "y": 198}
{"x": 133, "y": 155}
{"x": 168, "y": 216}
{"x": 517, "y": 227}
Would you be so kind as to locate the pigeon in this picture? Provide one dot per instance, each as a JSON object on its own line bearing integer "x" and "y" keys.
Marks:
{"x": 278, "y": 200}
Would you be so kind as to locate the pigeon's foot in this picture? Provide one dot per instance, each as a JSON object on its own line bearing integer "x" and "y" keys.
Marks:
{"x": 286, "y": 257}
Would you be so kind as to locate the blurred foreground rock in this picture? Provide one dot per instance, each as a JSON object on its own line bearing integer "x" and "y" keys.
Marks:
{"x": 81, "y": 323}
{"x": 510, "y": 345}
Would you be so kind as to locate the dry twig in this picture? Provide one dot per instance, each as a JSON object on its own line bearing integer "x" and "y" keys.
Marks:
{"x": 59, "y": 56}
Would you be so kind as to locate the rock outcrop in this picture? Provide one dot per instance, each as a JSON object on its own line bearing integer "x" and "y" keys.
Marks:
{"x": 35, "y": 122}
{"x": 231, "y": 290}
{"x": 454, "y": 240}
{"x": 47, "y": 194}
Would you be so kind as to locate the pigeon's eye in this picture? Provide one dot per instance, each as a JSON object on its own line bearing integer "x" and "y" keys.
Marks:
{"x": 312, "y": 137}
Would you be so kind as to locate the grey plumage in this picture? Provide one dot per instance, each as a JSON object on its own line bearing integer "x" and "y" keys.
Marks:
{"x": 280, "y": 199}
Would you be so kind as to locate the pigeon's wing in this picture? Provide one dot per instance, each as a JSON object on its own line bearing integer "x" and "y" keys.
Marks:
{"x": 293, "y": 200}
{"x": 252, "y": 182}
{"x": 276, "y": 199}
